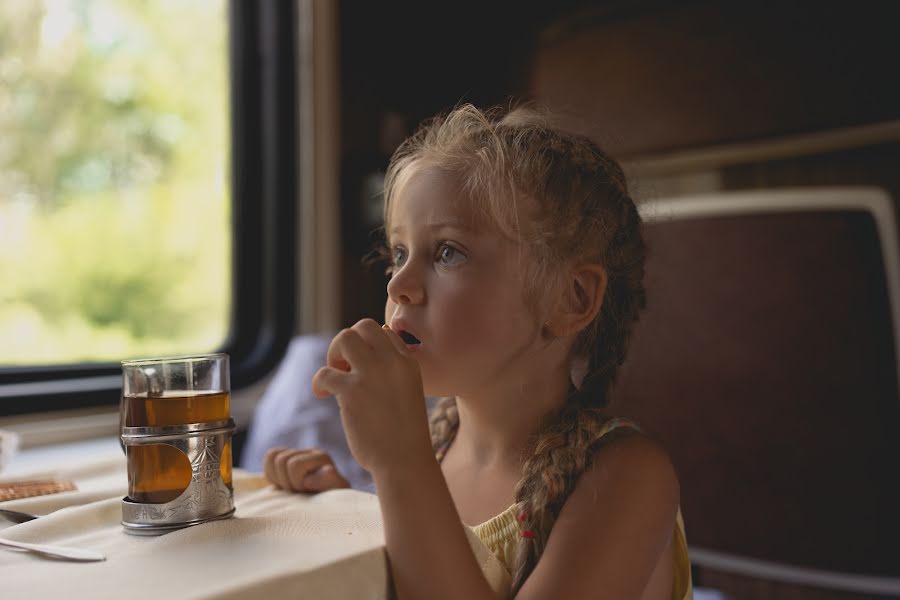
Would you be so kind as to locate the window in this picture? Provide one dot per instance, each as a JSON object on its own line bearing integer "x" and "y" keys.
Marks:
{"x": 146, "y": 190}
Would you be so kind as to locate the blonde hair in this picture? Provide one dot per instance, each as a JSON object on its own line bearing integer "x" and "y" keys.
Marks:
{"x": 567, "y": 202}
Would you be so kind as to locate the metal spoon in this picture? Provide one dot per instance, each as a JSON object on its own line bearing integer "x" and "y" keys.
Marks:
{"x": 76, "y": 554}
{"x": 16, "y": 516}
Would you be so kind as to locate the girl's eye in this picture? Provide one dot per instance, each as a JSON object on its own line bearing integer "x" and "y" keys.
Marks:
{"x": 398, "y": 255}
{"x": 450, "y": 256}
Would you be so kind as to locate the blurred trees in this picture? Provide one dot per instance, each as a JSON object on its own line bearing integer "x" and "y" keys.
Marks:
{"x": 114, "y": 203}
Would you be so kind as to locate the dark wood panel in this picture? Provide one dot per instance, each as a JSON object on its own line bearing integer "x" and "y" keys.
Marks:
{"x": 703, "y": 73}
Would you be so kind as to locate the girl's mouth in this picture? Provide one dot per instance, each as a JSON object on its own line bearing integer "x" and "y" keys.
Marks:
{"x": 409, "y": 338}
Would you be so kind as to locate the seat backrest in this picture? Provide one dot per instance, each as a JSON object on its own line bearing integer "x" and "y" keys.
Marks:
{"x": 766, "y": 364}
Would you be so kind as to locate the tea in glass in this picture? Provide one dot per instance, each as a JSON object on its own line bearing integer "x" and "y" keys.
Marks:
{"x": 159, "y": 473}
{"x": 176, "y": 432}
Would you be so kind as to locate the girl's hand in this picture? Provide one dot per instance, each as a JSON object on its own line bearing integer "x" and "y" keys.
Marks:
{"x": 378, "y": 387}
{"x": 302, "y": 470}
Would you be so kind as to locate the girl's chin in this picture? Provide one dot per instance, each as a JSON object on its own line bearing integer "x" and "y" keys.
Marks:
{"x": 435, "y": 381}
{"x": 433, "y": 388}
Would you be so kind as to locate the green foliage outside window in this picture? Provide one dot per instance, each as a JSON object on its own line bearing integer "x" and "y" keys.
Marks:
{"x": 114, "y": 201}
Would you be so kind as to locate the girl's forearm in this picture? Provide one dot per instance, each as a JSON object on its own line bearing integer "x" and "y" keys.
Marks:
{"x": 429, "y": 553}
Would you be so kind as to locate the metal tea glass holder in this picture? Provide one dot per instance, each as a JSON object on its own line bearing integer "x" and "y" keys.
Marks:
{"x": 206, "y": 498}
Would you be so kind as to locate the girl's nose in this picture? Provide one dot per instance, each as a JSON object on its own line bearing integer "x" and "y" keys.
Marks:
{"x": 405, "y": 287}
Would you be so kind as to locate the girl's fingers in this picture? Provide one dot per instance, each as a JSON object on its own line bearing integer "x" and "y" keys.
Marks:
{"x": 347, "y": 351}
{"x": 328, "y": 381}
{"x": 380, "y": 337}
{"x": 325, "y": 478}
{"x": 370, "y": 332}
{"x": 297, "y": 467}
{"x": 269, "y": 465}
{"x": 395, "y": 340}
{"x": 276, "y": 466}
{"x": 302, "y": 470}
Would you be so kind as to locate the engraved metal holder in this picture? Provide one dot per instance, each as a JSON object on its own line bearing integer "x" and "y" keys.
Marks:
{"x": 206, "y": 498}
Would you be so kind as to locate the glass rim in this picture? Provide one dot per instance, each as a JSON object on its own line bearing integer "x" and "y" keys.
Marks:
{"x": 188, "y": 358}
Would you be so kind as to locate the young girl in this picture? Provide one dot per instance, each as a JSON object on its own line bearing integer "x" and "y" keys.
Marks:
{"x": 516, "y": 277}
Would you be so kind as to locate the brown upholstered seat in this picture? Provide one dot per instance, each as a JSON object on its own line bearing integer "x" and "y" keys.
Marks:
{"x": 766, "y": 364}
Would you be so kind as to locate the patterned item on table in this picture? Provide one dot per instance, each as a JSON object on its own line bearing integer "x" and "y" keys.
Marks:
{"x": 15, "y": 490}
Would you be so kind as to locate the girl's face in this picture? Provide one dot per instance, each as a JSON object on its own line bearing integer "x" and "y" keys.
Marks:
{"x": 456, "y": 286}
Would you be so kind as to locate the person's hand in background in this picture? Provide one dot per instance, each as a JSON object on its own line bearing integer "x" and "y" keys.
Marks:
{"x": 306, "y": 470}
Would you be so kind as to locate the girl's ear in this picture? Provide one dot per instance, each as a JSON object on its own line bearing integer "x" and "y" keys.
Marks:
{"x": 580, "y": 300}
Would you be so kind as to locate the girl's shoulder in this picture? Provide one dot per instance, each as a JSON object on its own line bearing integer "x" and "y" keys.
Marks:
{"x": 622, "y": 513}
{"x": 630, "y": 476}
{"x": 621, "y": 451}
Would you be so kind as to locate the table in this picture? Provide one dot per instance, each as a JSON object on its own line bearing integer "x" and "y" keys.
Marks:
{"x": 278, "y": 545}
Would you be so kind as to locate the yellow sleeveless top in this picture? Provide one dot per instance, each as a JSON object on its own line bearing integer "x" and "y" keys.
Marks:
{"x": 501, "y": 535}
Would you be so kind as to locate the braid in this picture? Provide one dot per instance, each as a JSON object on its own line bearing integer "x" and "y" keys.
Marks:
{"x": 560, "y": 454}
{"x": 443, "y": 423}
{"x": 596, "y": 206}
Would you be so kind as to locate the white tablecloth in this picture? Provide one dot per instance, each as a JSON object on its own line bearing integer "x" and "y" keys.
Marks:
{"x": 278, "y": 545}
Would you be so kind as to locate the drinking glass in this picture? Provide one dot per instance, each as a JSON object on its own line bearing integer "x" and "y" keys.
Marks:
{"x": 176, "y": 430}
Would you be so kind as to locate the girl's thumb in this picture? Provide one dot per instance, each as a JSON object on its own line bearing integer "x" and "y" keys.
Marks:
{"x": 324, "y": 478}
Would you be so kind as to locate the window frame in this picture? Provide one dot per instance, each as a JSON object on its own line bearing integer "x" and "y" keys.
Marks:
{"x": 263, "y": 94}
